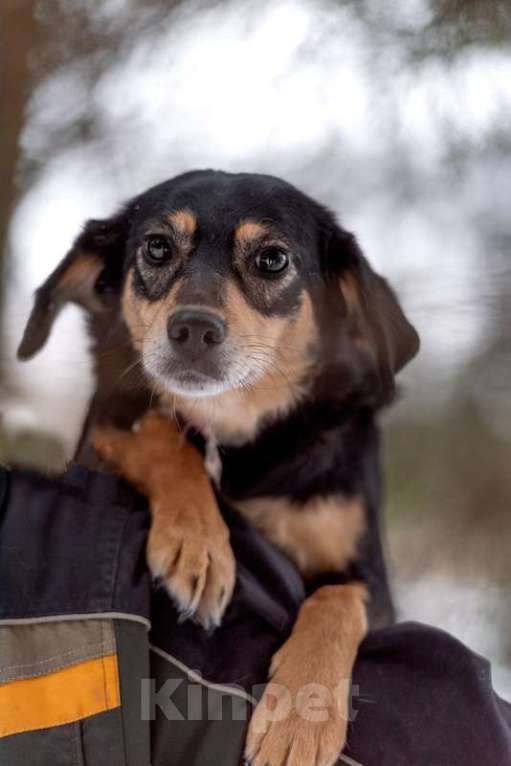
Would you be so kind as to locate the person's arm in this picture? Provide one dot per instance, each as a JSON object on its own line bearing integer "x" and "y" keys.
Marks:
{"x": 74, "y": 608}
{"x": 4, "y": 490}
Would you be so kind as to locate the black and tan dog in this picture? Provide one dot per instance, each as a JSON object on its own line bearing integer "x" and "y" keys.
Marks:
{"x": 245, "y": 309}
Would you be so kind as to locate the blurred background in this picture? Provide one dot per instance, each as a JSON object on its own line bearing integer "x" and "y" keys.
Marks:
{"x": 397, "y": 115}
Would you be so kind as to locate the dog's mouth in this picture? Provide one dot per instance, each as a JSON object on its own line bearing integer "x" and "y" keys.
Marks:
{"x": 200, "y": 378}
{"x": 187, "y": 381}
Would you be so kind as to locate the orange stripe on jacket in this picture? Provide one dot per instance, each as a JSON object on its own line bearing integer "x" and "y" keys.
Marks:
{"x": 67, "y": 695}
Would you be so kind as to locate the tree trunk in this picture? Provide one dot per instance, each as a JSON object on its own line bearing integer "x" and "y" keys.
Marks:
{"x": 19, "y": 37}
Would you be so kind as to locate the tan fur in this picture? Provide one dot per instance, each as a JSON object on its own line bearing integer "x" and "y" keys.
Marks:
{"x": 183, "y": 222}
{"x": 248, "y": 232}
{"x": 350, "y": 292}
{"x": 75, "y": 283}
{"x": 145, "y": 317}
{"x": 188, "y": 544}
{"x": 359, "y": 326}
{"x": 320, "y": 651}
{"x": 78, "y": 280}
{"x": 320, "y": 536}
{"x": 235, "y": 416}
{"x": 249, "y": 325}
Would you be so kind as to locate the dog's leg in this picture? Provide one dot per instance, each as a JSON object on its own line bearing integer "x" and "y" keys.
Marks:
{"x": 188, "y": 545}
{"x": 302, "y": 716}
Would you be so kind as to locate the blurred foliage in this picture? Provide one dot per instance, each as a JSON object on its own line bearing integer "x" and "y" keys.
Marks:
{"x": 467, "y": 501}
{"x": 446, "y": 27}
{"x": 458, "y": 23}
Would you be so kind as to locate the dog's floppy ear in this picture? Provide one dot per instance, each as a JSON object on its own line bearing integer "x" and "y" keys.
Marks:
{"x": 376, "y": 319}
{"x": 93, "y": 265}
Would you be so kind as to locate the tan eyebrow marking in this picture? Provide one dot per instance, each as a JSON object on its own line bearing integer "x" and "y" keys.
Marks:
{"x": 183, "y": 221}
{"x": 248, "y": 231}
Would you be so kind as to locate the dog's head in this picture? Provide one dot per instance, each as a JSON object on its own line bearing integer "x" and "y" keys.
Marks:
{"x": 226, "y": 281}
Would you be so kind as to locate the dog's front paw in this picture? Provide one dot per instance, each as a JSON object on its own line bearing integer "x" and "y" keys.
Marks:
{"x": 286, "y": 732}
{"x": 197, "y": 568}
{"x": 188, "y": 546}
{"x": 302, "y": 717}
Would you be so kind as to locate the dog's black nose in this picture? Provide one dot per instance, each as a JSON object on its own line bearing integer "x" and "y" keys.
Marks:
{"x": 195, "y": 331}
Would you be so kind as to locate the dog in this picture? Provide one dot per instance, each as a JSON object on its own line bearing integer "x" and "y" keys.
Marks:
{"x": 251, "y": 316}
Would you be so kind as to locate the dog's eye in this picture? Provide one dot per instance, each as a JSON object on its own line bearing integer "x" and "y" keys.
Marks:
{"x": 272, "y": 260}
{"x": 157, "y": 249}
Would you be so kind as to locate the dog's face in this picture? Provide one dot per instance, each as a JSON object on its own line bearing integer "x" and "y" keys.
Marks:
{"x": 218, "y": 282}
{"x": 226, "y": 281}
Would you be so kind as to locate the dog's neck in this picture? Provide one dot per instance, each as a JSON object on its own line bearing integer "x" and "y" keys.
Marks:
{"x": 291, "y": 455}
